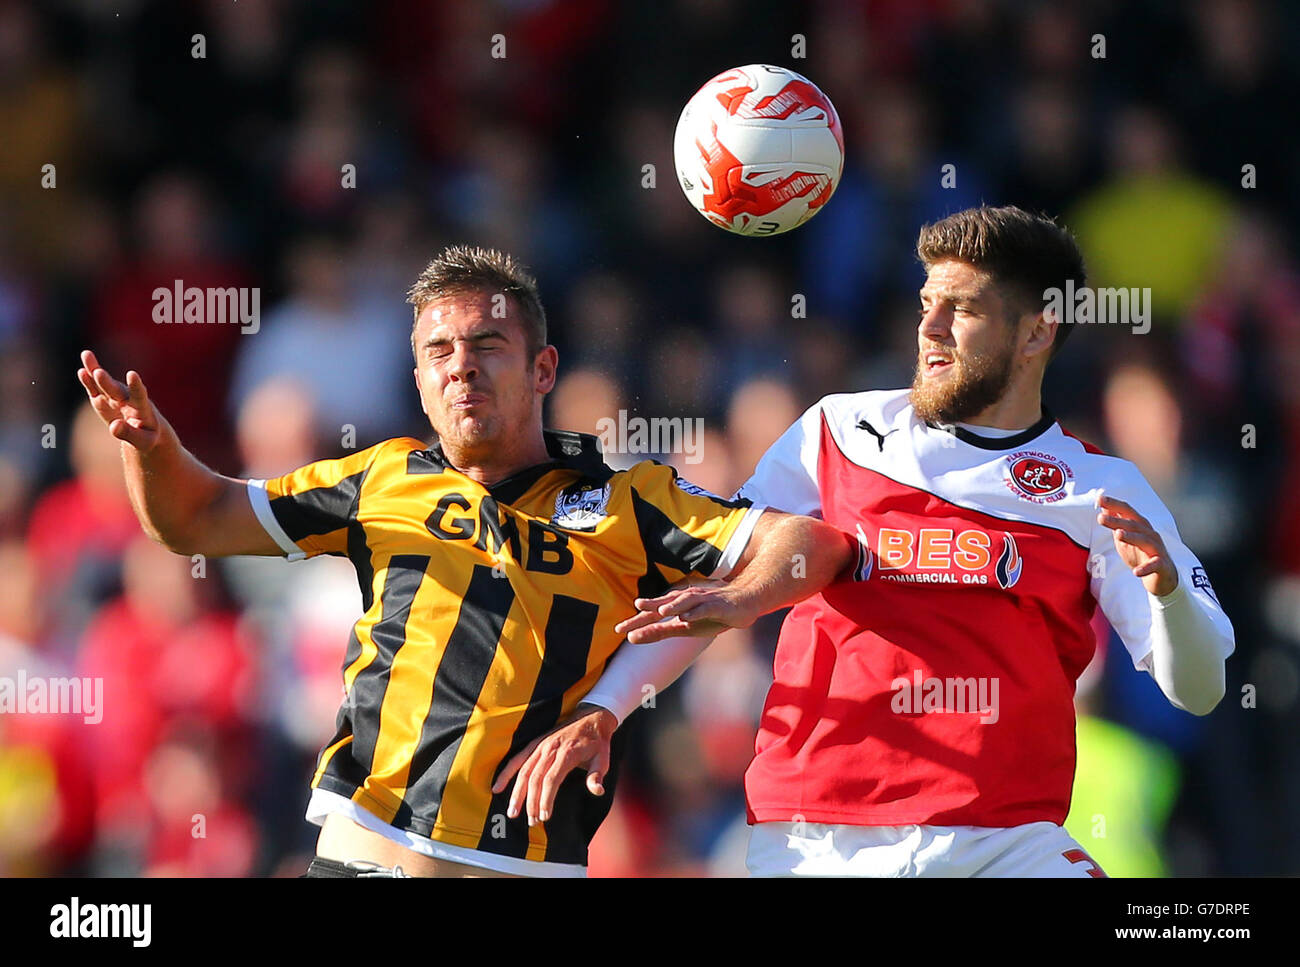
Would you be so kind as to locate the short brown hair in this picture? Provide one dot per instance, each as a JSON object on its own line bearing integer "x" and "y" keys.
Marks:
{"x": 462, "y": 269}
{"x": 1026, "y": 254}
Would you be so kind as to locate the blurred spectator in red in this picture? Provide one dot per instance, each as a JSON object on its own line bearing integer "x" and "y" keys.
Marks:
{"x": 197, "y": 828}
{"x": 80, "y": 527}
{"x": 186, "y": 366}
{"x": 628, "y": 842}
{"x": 163, "y": 653}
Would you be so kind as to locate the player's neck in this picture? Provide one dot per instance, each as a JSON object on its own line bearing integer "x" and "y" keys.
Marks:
{"x": 490, "y": 465}
{"x": 1016, "y": 410}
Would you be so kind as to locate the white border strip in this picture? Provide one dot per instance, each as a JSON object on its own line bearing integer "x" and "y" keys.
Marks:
{"x": 261, "y": 501}
{"x": 739, "y": 540}
{"x": 324, "y": 803}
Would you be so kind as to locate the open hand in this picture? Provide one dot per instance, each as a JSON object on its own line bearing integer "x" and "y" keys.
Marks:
{"x": 1139, "y": 545}
{"x": 124, "y": 407}
{"x": 701, "y": 610}
{"x": 580, "y": 743}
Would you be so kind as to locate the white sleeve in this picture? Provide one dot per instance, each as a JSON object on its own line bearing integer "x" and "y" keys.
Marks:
{"x": 1185, "y": 657}
{"x": 735, "y": 548}
{"x": 1138, "y": 617}
{"x": 257, "y": 496}
{"x": 622, "y": 687}
{"x": 786, "y": 476}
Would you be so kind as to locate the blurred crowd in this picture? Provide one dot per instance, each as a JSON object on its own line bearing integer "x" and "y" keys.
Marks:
{"x": 1157, "y": 131}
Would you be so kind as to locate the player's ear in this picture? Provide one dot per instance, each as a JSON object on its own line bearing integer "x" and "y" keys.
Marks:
{"x": 419, "y": 389}
{"x": 544, "y": 369}
{"x": 1042, "y": 333}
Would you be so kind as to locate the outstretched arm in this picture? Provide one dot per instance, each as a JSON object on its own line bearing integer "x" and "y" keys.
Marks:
{"x": 181, "y": 504}
{"x": 788, "y": 558}
{"x": 1187, "y": 649}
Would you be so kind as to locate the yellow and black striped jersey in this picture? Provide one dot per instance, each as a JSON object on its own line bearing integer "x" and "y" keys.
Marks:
{"x": 488, "y": 613}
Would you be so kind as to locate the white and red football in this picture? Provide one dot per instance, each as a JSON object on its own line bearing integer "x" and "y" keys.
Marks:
{"x": 759, "y": 150}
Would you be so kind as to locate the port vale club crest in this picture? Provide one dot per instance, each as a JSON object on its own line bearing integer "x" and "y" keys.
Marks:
{"x": 581, "y": 508}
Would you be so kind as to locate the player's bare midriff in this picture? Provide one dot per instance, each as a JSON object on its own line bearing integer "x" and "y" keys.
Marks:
{"x": 343, "y": 840}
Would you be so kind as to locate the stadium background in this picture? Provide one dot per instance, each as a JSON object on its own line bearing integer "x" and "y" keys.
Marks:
{"x": 225, "y": 170}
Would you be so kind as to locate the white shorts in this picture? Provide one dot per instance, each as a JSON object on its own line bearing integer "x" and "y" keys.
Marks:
{"x": 819, "y": 849}
{"x": 323, "y": 803}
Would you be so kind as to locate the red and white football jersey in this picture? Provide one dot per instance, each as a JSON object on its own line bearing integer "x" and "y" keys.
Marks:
{"x": 936, "y": 686}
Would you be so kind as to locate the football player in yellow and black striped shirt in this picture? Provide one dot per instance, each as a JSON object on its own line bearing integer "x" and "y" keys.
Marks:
{"x": 494, "y": 566}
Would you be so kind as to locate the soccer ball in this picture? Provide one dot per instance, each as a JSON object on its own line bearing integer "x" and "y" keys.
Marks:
{"x": 758, "y": 150}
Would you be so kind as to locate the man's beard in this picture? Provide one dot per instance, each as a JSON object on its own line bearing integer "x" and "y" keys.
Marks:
{"x": 978, "y": 383}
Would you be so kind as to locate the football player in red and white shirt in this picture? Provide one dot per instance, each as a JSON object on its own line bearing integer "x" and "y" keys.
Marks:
{"x": 921, "y": 718}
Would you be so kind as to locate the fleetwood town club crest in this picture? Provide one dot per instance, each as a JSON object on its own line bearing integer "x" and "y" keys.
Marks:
{"x": 1037, "y": 477}
{"x": 582, "y": 508}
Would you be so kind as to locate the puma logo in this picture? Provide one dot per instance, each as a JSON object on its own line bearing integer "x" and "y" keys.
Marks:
{"x": 880, "y": 437}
